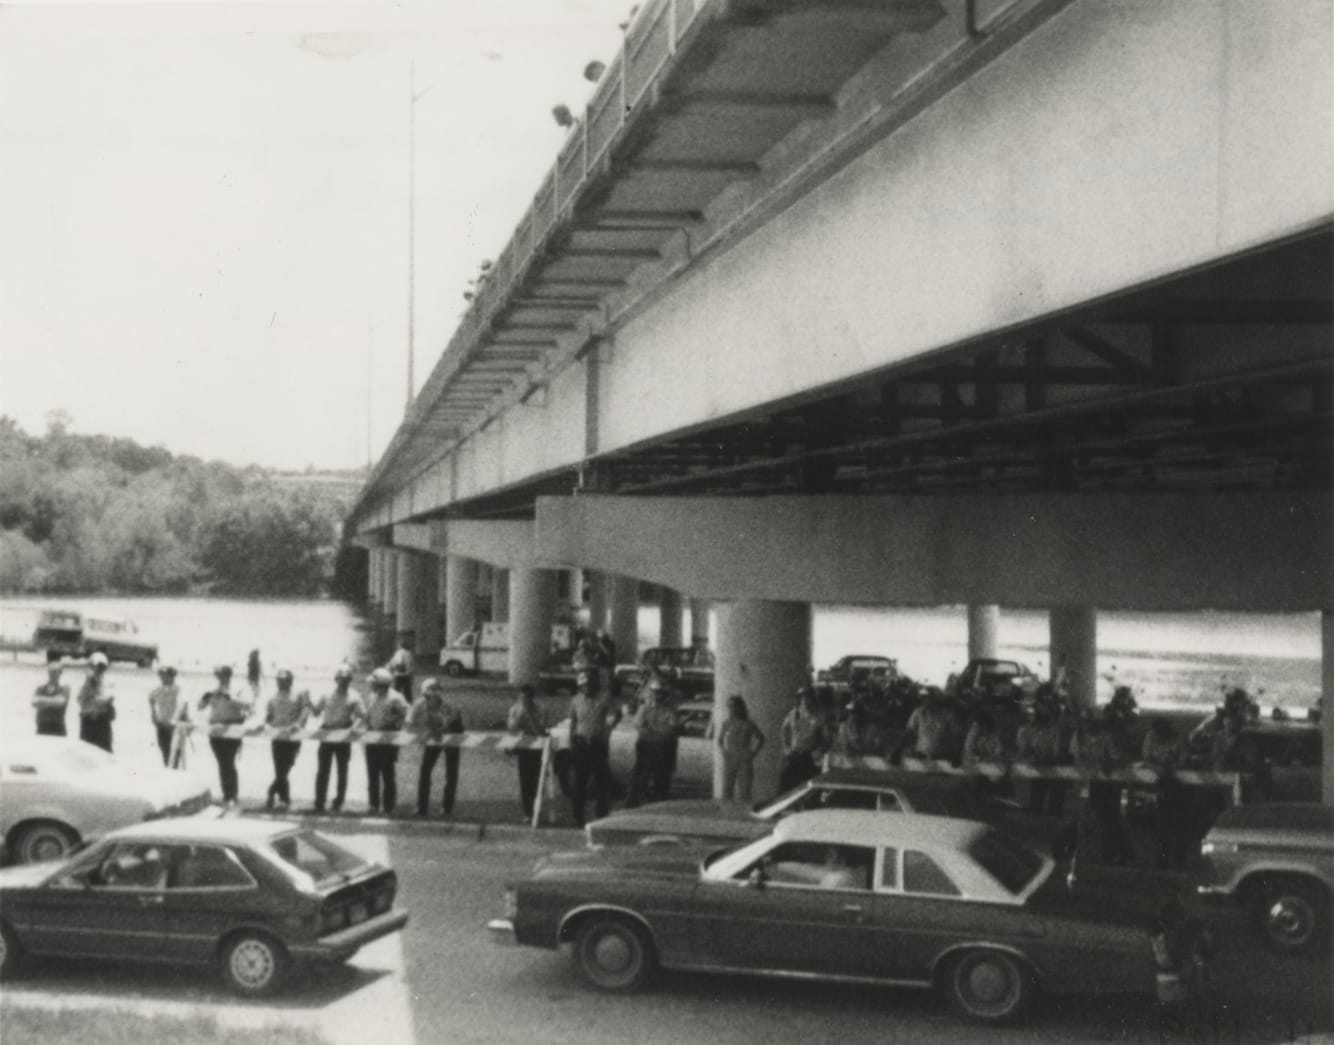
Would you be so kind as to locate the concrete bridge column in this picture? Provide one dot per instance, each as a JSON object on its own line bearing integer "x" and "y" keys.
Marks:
{"x": 1327, "y": 705}
{"x": 1074, "y": 650}
{"x": 669, "y": 616}
{"x": 428, "y": 627}
{"x": 983, "y": 625}
{"x": 623, "y": 623}
{"x": 389, "y": 582}
{"x": 699, "y": 622}
{"x": 575, "y": 599}
{"x": 409, "y": 597}
{"x": 374, "y": 597}
{"x": 460, "y": 595}
{"x": 598, "y": 614}
{"x": 532, "y": 604}
{"x": 500, "y": 595}
{"x": 764, "y": 651}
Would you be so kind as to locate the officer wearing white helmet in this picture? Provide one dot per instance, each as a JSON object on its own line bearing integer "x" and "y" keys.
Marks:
{"x": 97, "y": 708}
{"x": 340, "y": 709}
{"x": 285, "y": 710}
{"x": 225, "y": 708}
{"x": 386, "y": 711}
{"x": 167, "y": 709}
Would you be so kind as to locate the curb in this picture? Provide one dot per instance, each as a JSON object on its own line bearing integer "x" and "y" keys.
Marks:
{"x": 481, "y": 830}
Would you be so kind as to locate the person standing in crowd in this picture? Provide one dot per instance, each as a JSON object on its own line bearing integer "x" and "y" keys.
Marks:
{"x": 285, "y": 711}
{"x": 604, "y": 656}
{"x": 591, "y": 721}
{"x": 984, "y": 746}
{"x": 804, "y": 740}
{"x": 1040, "y": 744}
{"x": 340, "y": 709}
{"x": 431, "y": 718}
{"x": 933, "y": 728}
{"x": 254, "y": 675}
{"x": 402, "y": 666}
{"x": 386, "y": 712}
{"x": 859, "y": 733}
{"x": 655, "y": 747}
{"x": 525, "y": 720}
{"x": 168, "y": 710}
{"x": 740, "y": 741}
{"x": 225, "y": 708}
{"x": 50, "y": 701}
{"x": 1164, "y": 753}
{"x": 97, "y": 704}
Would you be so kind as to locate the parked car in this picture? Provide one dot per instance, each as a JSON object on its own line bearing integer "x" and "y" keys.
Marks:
{"x": 694, "y": 751}
{"x": 484, "y": 649}
{"x": 991, "y": 680}
{"x": 1276, "y": 860}
{"x": 689, "y": 670}
{"x": 853, "y": 895}
{"x": 247, "y": 896}
{"x": 56, "y": 792}
{"x": 67, "y": 633}
{"x": 858, "y": 667}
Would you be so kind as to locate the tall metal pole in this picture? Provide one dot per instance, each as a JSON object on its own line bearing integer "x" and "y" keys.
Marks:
{"x": 412, "y": 224}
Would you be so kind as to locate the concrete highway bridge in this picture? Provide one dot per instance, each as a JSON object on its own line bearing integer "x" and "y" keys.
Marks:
{"x": 1004, "y": 303}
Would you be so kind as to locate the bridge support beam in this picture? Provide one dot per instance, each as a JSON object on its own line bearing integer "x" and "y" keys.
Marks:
{"x": 1074, "y": 652}
{"x": 670, "y": 605}
{"x": 532, "y": 605}
{"x": 460, "y": 595}
{"x": 623, "y": 622}
{"x": 389, "y": 575}
{"x": 764, "y": 651}
{"x": 409, "y": 597}
{"x": 500, "y": 595}
{"x": 983, "y": 628}
{"x": 699, "y": 622}
{"x": 429, "y": 617}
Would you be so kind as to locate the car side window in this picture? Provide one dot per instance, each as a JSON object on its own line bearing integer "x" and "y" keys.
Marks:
{"x": 847, "y": 798}
{"x": 209, "y": 867}
{"x": 132, "y": 865}
{"x": 693, "y": 724}
{"x": 819, "y": 865}
{"x": 921, "y": 874}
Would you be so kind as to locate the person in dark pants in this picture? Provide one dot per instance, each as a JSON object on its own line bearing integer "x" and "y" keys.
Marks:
{"x": 431, "y": 719}
{"x": 804, "y": 738}
{"x": 591, "y": 721}
{"x": 168, "y": 711}
{"x": 225, "y": 709}
{"x": 386, "y": 712}
{"x": 50, "y": 700}
{"x": 338, "y": 710}
{"x": 285, "y": 711}
{"x": 525, "y": 721}
{"x": 655, "y": 746}
{"x": 97, "y": 708}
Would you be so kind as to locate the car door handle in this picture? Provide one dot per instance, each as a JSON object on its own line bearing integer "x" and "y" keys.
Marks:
{"x": 150, "y": 899}
{"x": 853, "y": 908}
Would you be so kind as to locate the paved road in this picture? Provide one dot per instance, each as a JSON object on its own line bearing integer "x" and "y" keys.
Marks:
{"x": 445, "y": 980}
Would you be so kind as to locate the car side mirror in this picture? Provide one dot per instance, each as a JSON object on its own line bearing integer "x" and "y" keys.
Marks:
{"x": 756, "y": 878}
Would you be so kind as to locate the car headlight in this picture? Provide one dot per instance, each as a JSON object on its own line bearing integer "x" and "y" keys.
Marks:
{"x": 1219, "y": 848}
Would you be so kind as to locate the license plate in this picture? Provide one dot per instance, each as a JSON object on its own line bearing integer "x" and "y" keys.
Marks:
{"x": 356, "y": 913}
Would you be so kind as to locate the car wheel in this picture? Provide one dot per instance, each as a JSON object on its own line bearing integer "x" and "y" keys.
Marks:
{"x": 1292, "y": 914}
{"x": 253, "y": 965}
{"x": 11, "y": 953}
{"x": 613, "y": 954}
{"x": 453, "y": 669}
{"x": 990, "y": 986}
{"x": 43, "y": 841}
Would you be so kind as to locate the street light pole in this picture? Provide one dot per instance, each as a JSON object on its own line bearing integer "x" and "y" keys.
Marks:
{"x": 413, "y": 97}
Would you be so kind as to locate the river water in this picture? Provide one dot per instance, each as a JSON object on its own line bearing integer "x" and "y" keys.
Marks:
{"x": 1171, "y": 659}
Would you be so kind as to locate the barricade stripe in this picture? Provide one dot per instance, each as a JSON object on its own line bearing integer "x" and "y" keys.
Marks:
{"x": 1021, "y": 771}
{"x": 398, "y": 738}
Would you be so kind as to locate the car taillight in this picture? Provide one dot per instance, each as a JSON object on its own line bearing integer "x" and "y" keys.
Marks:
{"x": 333, "y": 919}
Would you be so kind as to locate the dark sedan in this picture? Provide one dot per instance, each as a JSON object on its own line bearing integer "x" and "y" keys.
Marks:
{"x": 852, "y": 896}
{"x": 247, "y": 896}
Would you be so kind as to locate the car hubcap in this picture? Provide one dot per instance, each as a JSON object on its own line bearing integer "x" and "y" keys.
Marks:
{"x": 612, "y": 954}
{"x": 988, "y": 983}
{"x": 1290, "y": 919}
{"x": 252, "y": 964}
{"x": 46, "y": 847}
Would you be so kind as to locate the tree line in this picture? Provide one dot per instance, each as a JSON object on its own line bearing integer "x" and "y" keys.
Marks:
{"x": 94, "y": 514}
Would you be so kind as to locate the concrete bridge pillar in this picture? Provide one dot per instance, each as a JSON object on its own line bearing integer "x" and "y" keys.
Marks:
{"x": 389, "y": 583}
{"x": 669, "y": 616}
{"x": 575, "y": 598}
{"x": 409, "y": 596}
{"x": 598, "y": 614}
{"x": 500, "y": 595}
{"x": 532, "y": 604}
{"x": 983, "y": 625}
{"x": 1074, "y": 650}
{"x": 460, "y": 595}
{"x": 764, "y": 651}
{"x": 1327, "y": 704}
{"x": 374, "y": 596}
{"x": 428, "y": 626}
{"x": 623, "y": 622}
{"x": 699, "y": 622}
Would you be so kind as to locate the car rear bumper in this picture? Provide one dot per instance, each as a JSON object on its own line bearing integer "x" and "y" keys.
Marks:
{"x": 348, "y": 941}
{"x": 502, "y": 930}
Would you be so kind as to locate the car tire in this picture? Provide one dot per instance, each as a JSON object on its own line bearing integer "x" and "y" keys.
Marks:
{"x": 989, "y": 986}
{"x": 453, "y": 669}
{"x": 1293, "y": 914}
{"x": 44, "y": 840}
{"x": 253, "y": 965}
{"x": 613, "y": 953}
{"x": 12, "y": 956}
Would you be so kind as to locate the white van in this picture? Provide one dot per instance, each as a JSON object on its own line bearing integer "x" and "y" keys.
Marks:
{"x": 486, "y": 649}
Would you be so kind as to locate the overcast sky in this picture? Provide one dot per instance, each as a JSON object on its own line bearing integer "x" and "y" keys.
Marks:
{"x": 204, "y": 207}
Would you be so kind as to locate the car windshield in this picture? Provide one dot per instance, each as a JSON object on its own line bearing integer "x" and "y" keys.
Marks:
{"x": 315, "y": 855}
{"x": 1013, "y": 865}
